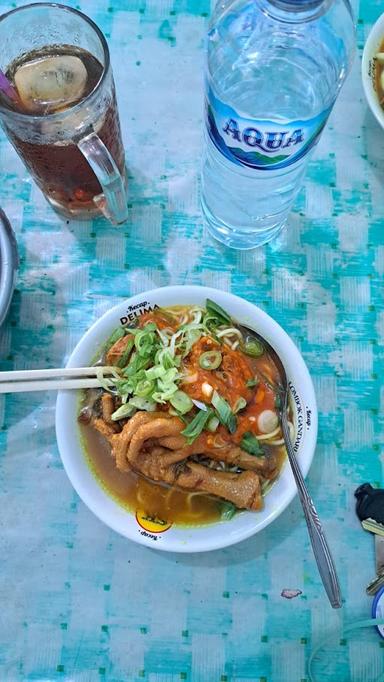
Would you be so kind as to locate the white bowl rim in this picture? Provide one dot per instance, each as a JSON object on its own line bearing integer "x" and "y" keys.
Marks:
{"x": 117, "y": 518}
{"x": 372, "y": 43}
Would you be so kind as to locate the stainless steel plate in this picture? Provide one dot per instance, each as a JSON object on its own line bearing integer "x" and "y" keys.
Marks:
{"x": 9, "y": 263}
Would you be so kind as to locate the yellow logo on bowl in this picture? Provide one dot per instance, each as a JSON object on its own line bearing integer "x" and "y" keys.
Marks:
{"x": 151, "y": 523}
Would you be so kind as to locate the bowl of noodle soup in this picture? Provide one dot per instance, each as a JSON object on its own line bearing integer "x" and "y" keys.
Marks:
{"x": 181, "y": 446}
{"x": 372, "y": 70}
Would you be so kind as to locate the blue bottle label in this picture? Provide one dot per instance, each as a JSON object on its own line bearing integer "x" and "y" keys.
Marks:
{"x": 264, "y": 145}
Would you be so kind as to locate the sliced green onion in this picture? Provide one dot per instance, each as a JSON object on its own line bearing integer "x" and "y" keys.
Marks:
{"x": 104, "y": 381}
{"x": 155, "y": 372}
{"x": 170, "y": 375}
{"x": 124, "y": 387}
{"x": 228, "y": 511}
{"x": 140, "y": 375}
{"x": 212, "y": 323}
{"x": 217, "y": 311}
{"x": 213, "y": 424}
{"x": 164, "y": 396}
{"x": 197, "y": 425}
{"x": 211, "y": 359}
{"x": 123, "y": 412}
{"x": 123, "y": 359}
{"x": 142, "y": 404}
{"x": 131, "y": 406}
{"x": 149, "y": 327}
{"x": 190, "y": 336}
{"x": 117, "y": 334}
{"x": 181, "y": 402}
{"x": 277, "y": 402}
{"x": 136, "y": 364}
{"x": 175, "y": 413}
{"x": 164, "y": 358}
{"x": 250, "y": 444}
{"x": 239, "y": 405}
{"x": 146, "y": 341}
{"x": 252, "y": 383}
{"x": 224, "y": 412}
{"x": 167, "y": 389}
{"x": 254, "y": 348}
{"x": 145, "y": 388}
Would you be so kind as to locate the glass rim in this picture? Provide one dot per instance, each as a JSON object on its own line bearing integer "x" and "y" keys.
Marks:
{"x": 106, "y": 67}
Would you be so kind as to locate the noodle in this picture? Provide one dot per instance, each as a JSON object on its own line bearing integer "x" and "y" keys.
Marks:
{"x": 197, "y": 315}
{"x": 282, "y": 441}
{"x": 277, "y": 442}
{"x": 189, "y": 500}
{"x": 231, "y": 331}
{"x": 267, "y": 436}
{"x": 163, "y": 335}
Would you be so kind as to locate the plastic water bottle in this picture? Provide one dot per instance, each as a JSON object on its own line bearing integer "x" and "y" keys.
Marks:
{"x": 275, "y": 68}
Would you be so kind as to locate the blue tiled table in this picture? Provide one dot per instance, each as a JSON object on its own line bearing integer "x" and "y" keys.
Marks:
{"x": 78, "y": 602}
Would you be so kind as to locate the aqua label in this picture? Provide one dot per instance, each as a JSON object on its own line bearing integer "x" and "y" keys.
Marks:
{"x": 262, "y": 145}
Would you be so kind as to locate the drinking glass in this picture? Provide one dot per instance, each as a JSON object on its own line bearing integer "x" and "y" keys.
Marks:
{"x": 75, "y": 155}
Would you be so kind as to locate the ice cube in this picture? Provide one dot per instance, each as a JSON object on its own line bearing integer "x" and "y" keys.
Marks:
{"x": 51, "y": 83}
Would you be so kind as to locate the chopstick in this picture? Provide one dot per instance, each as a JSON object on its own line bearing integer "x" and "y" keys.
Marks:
{"x": 22, "y": 381}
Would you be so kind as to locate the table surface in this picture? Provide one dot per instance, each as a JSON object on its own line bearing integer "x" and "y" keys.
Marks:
{"x": 80, "y": 603}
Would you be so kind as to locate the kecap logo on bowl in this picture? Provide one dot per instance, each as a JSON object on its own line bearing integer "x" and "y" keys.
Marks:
{"x": 369, "y": 66}
{"x": 151, "y": 531}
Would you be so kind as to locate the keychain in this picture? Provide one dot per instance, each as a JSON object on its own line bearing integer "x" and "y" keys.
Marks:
{"x": 370, "y": 510}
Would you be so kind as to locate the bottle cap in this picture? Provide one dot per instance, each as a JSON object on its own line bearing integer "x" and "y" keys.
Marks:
{"x": 378, "y": 610}
{"x": 297, "y": 4}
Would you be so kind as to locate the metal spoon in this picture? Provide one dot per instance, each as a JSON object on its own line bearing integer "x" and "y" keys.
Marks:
{"x": 320, "y": 547}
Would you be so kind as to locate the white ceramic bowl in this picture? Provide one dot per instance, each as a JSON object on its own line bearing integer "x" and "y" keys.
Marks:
{"x": 214, "y": 536}
{"x": 368, "y": 67}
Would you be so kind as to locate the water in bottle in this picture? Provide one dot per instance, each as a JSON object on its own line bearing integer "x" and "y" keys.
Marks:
{"x": 274, "y": 70}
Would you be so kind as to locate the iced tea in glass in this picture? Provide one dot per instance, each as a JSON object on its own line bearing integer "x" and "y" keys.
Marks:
{"x": 61, "y": 114}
